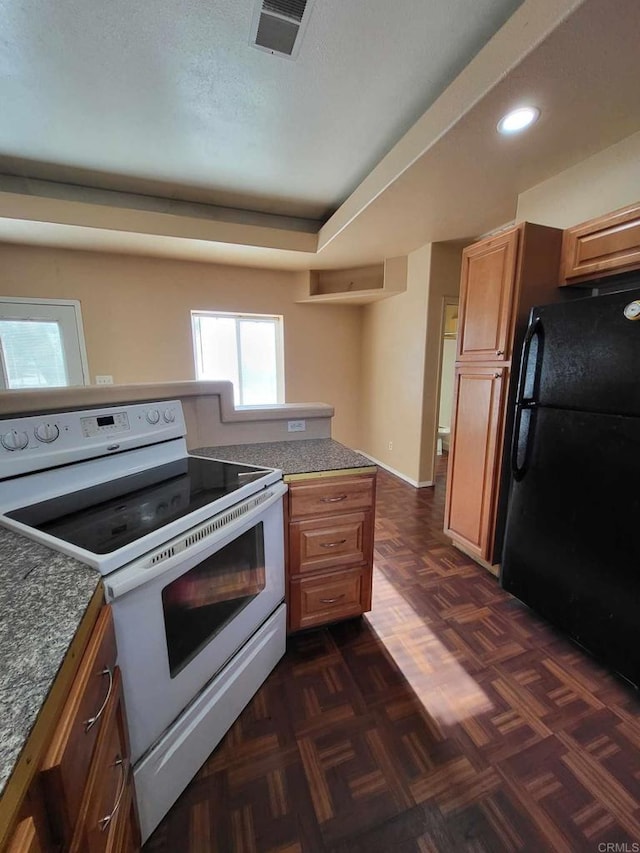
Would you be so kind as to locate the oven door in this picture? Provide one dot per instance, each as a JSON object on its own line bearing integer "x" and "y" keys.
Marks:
{"x": 182, "y": 611}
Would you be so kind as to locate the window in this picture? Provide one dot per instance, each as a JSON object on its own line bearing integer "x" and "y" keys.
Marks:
{"x": 245, "y": 349}
{"x": 41, "y": 343}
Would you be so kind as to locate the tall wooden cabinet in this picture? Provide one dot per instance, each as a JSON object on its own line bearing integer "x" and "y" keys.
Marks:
{"x": 502, "y": 278}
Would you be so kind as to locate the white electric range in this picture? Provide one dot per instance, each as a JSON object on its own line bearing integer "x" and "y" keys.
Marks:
{"x": 192, "y": 554}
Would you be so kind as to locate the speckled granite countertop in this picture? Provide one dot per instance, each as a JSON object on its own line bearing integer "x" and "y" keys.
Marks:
{"x": 43, "y": 597}
{"x": 292, "y": 457}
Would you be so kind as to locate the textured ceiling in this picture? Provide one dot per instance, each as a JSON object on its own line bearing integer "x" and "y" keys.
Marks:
{"x": 449, "y": 177}
{"x": 167, "y": 98}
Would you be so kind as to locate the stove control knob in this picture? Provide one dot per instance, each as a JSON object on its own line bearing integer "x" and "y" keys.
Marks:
{"x": 14, "y": 440}
{"x": 169, "y": 415}
{"x": 46, "y": 433}
{"x": 153, "y": 416}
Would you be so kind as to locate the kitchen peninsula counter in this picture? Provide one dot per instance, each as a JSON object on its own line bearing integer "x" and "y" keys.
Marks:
{"x": 321, "y": 457}
{"x": 329, "y": 515}
{"x": 44, "y": 597}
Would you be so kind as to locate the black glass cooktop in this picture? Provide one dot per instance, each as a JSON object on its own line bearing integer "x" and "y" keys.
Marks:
{"x": 111, "y": 515}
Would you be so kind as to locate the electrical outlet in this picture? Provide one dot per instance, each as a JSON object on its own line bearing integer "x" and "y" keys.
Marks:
{"x": 390, "y": 445}
{"x": 296, "y": 426}
{"x": 104, "y": 380}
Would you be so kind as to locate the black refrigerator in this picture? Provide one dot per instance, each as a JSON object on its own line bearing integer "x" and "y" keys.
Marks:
{"x": 572, "y": 541}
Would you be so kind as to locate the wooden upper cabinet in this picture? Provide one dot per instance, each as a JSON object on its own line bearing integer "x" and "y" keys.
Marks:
{"x": 486, "y": 293}
{"x": 604, "y": 246}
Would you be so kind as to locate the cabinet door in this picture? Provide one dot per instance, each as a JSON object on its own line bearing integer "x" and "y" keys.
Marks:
{"x": 475, "y": 458}
{"x": 486, "y": 294}
{"x": 603, "y": 246}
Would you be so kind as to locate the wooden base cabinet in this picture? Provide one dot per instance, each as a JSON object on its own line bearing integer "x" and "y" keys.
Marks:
{"x": 65, "y": 767}
{"x": 81, "y": 797}
{"x": 329, "y": 543}
{"x": 502, "y": 278}
{"x": 108, "y": 789}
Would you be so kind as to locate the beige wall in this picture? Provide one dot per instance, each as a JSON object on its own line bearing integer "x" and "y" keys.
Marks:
{"x": 602, "y": 183}
{"x": 137, "y": 323}
{"x": 444, "y": 280}
{"x": 393, "y": 348}
{"x": 377, "y": 365}
{"x": 401, "y": 348}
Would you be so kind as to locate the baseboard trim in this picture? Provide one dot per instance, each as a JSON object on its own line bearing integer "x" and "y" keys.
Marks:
{"x": 417, "y": 485}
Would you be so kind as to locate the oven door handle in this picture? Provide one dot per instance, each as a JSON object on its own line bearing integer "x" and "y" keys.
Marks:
{"x": 160, "y": 560}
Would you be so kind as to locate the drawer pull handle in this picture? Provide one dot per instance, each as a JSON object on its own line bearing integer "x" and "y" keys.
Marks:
{"x": 333, "y": 500}
{"x": 123, "y": 764}
{"x": 90, "y": 723}
{"x": 331, "y": 600}
{"x": 332, "y": 544}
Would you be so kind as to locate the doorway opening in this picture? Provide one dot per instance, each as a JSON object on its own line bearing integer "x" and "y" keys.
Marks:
{"x": 448, "y": 344}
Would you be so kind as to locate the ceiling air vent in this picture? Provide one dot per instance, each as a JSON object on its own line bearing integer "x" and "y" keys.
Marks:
{"x": 278, "y": 25}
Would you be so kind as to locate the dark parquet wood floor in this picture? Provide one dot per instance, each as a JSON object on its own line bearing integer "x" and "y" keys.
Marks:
{"x": 448, "y": 719}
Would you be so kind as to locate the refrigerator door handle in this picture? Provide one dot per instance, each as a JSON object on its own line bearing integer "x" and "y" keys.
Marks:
{"x": 515, "y": 441}
{"x": 534, "y": 330}
{"x": 525, "y": 405}
{"x": 522, "y": 439}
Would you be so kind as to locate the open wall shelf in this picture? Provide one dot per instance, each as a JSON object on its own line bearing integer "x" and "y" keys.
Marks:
{"x": 358, "y": 285}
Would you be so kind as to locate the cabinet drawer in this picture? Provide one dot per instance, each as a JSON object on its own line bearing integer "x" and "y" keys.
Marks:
{"x": 105, "y": 795}
{"x": 66, "y": 764}
{"x": 331, "y": 496}
{"x": 327, "y": 598}
{"x": 131, "y": 839}
{"x": 124, "y": 837}
{"x": 322, "y": 543}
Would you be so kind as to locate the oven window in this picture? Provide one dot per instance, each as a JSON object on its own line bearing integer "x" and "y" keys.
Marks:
{"x": 198, "y": 604}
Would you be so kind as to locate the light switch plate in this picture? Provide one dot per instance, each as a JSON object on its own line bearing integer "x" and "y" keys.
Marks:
{"x": 296, "y": 426}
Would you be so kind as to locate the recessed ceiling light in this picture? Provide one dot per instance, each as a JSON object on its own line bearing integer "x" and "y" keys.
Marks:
{"x": 517, "y": 120}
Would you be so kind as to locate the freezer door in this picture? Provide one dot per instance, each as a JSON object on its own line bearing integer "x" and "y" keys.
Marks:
{"x": 572, "y": 550}
{"x": 585, "y": 355}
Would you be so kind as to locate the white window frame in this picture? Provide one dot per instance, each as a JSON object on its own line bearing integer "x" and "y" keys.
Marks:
{"x": 278, "y": 322}
{"x": 43, "y": 303}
